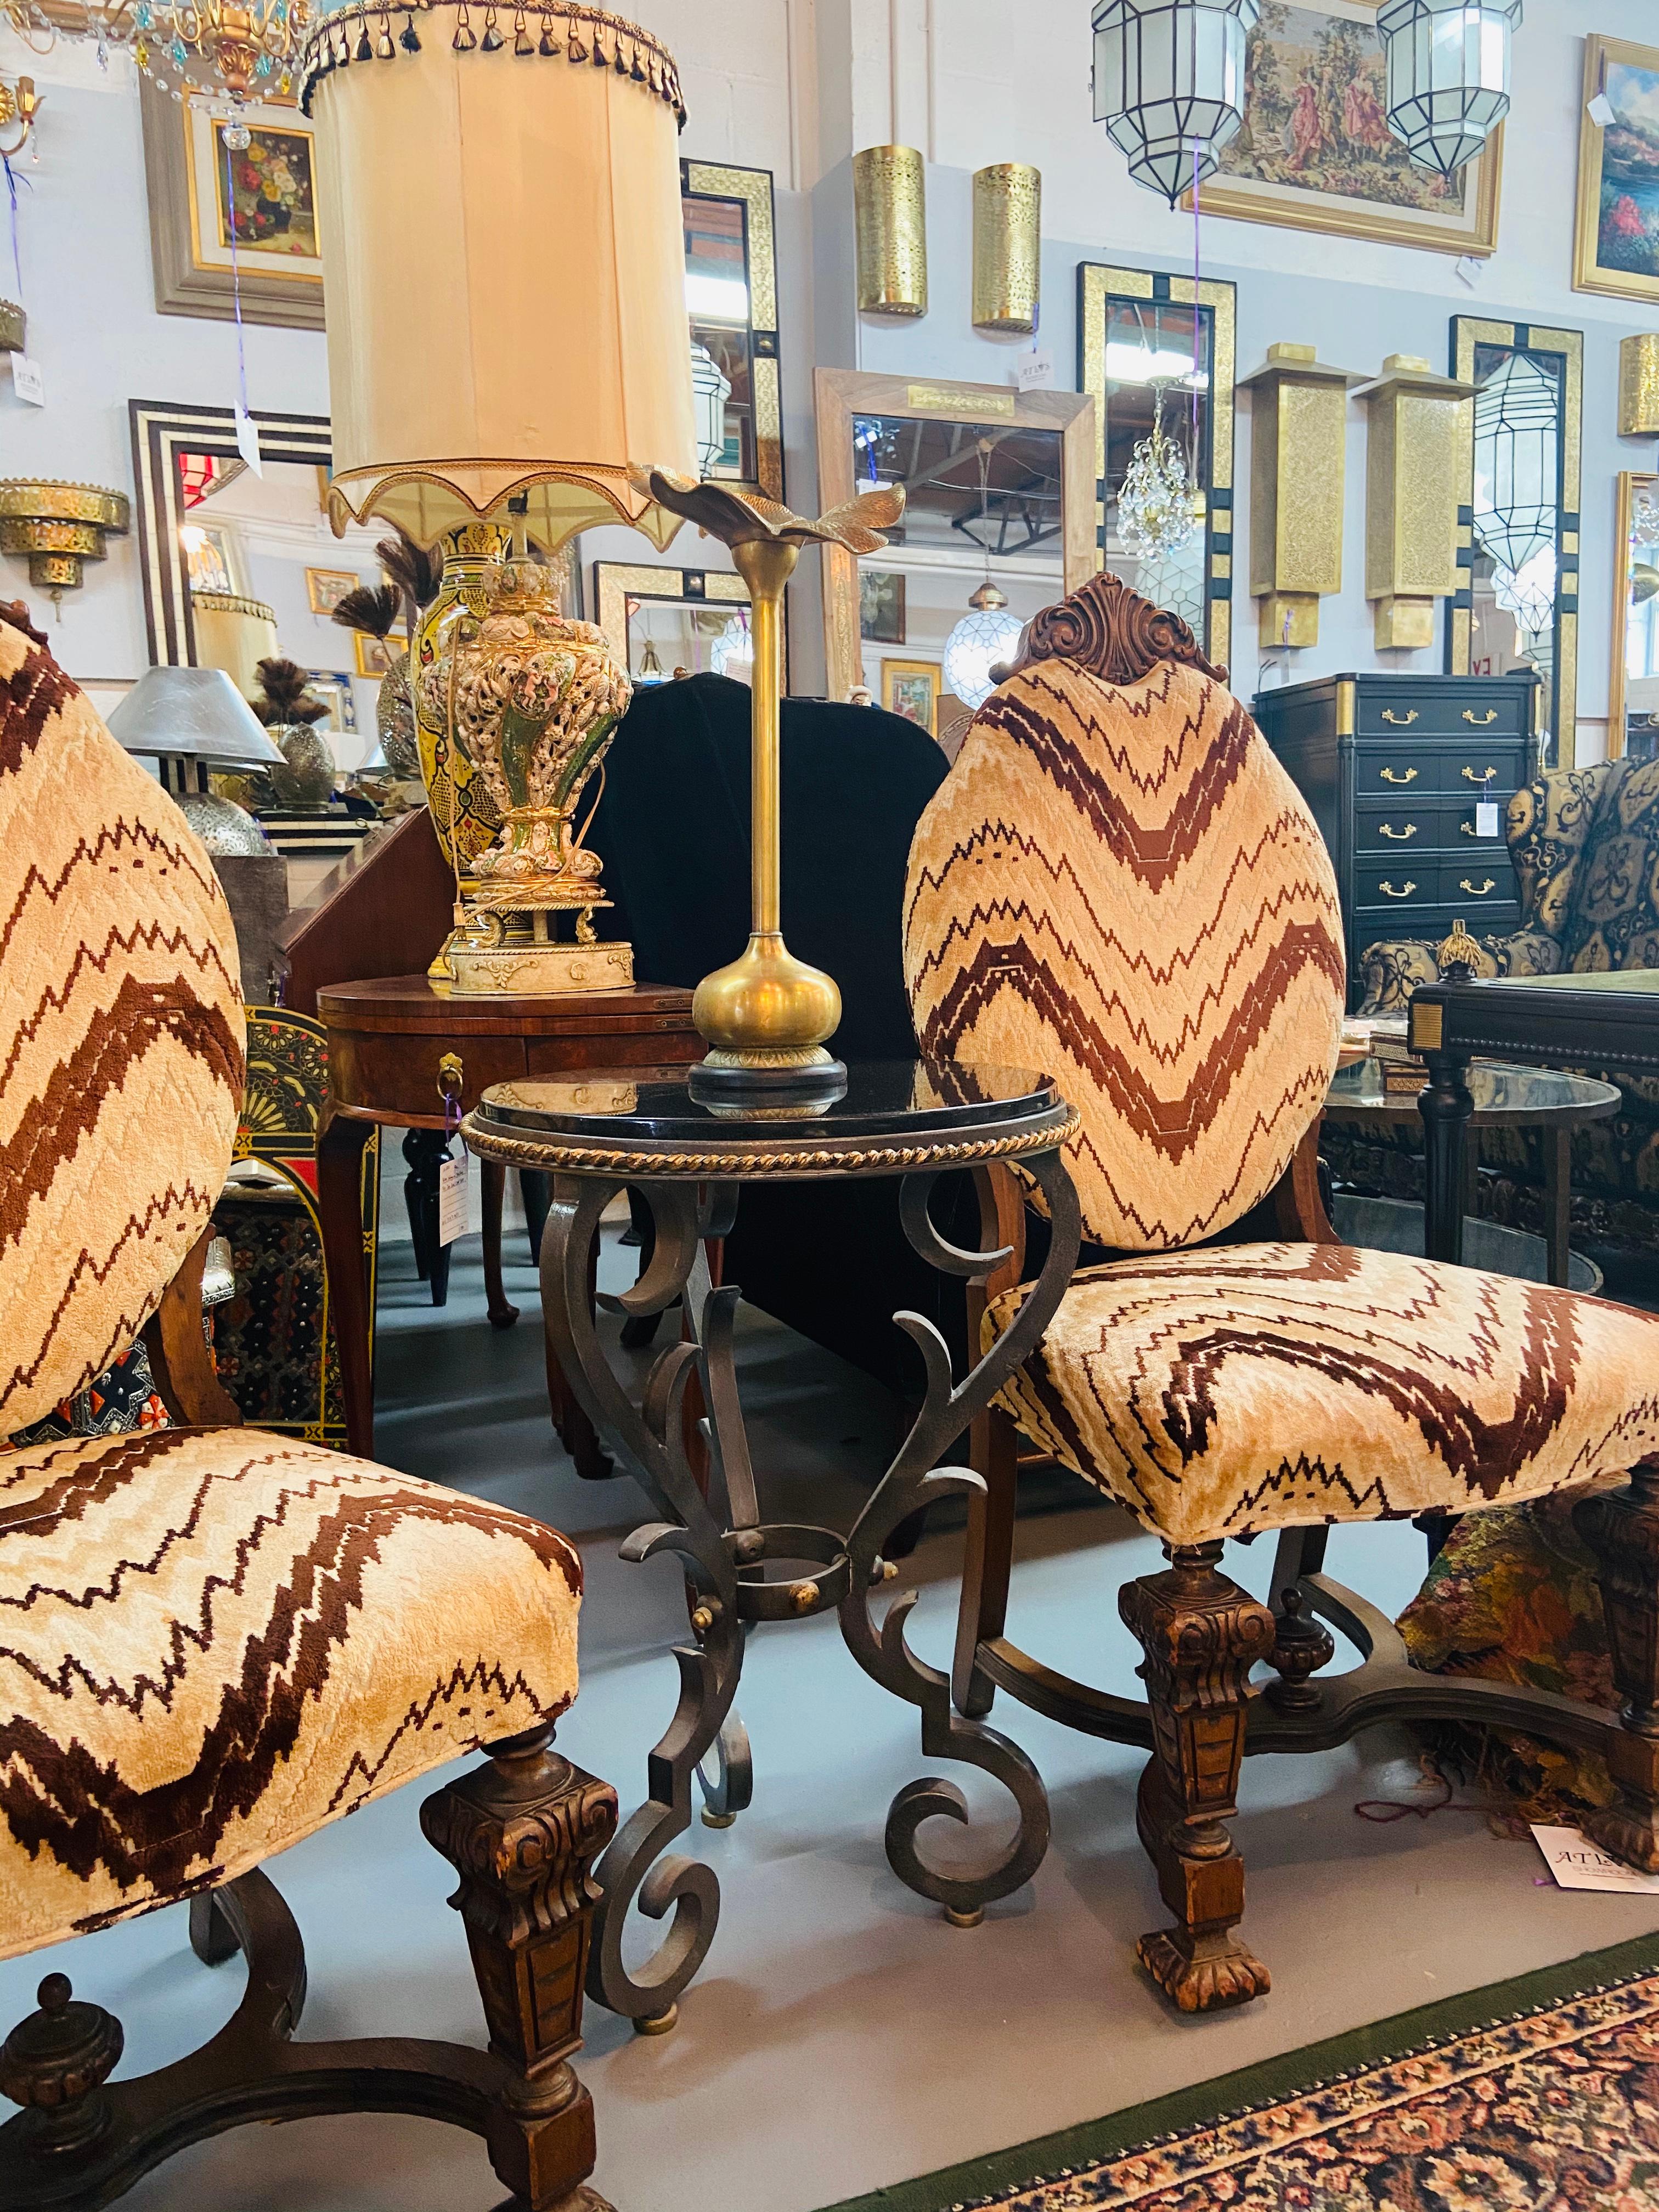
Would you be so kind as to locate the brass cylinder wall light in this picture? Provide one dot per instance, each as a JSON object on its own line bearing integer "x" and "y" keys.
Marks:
{"x": 1415, "y": 461}
{"x": 59, "y": 526}
{"x": 889, "y": 207}
{"x": 1007, "y": 246}
{"x": 1638, "y": 386}
{"x": 1298, "y": 443}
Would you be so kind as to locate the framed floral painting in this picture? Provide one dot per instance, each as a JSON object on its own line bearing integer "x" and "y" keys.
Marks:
{"x": 1617, "y": 245}
{"x": 221, "y": 216}
{"x": 1316, "y": 152}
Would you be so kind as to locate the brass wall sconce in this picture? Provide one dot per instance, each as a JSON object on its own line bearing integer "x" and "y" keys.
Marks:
{"x": 20, "y": 103}
{"x": 1007, "y": 246}
{"x": 890, "y": 208}
{"x": 1298, "y": 442}
{"x": 59, "y": 526}
{"x": 1638, "y": 386}
{"x": 1415, "y": 467}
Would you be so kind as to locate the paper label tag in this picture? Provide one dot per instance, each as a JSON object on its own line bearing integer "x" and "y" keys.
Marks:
{"x": 1485, "y": 818}
{"x": 1601, "y": 111}
{"x": 26, "y": 381}
{"x": 247, "y": 441}
{"x": 452, "y": 1199}
{"x": 1035, "y": 371}
{"x": 1470, "y": 269}
{"x": 1578, "y": 1863}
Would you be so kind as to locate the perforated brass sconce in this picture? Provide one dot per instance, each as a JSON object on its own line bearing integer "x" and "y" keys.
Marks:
{"x": 13, "y": 326}
{"x": 1638, "y": 386}
{"x": 1415, "y": 465}
{"x": 1007, "y": 246}
{"x": 59, "y": 526}
{"x": 1298, "y": 440}
{"x": 889, "y": 207}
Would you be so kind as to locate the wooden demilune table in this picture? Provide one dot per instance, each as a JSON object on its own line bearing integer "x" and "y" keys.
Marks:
{"x": 1605, "y": 1021}
{"x": 405, "y": 1052}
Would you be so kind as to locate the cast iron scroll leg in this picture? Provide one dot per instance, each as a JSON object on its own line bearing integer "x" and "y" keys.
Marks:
{"x": 523, "y": 1832}
{"x": 493, "y": 1180}
{"x": 1202, "y": 1635}
{"x": 1445, "y": 1104}
{"x": 634, "y": 1866}
{"x": 340, "y": 1205}
{"x": 1622, "y": 1527}
{"x": 916, "y": 1479}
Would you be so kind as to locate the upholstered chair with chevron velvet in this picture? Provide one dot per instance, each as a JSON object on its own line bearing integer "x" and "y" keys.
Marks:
{"x": 214, "y": 1642}
{"x": 1119, "y": 885}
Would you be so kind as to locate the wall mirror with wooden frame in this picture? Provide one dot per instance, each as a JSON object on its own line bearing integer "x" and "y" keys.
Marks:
{"x": 732, "y": 300}
{"x": 1519, "y": 527}
{"x": 1633, "y": 682}
{"x": 664, "y": 623}
{"x": 1149, "y": 352}
{"x": 996, "y": 483}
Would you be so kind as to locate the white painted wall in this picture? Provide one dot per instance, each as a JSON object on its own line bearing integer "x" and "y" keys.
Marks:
{"x": 796, "y": 86}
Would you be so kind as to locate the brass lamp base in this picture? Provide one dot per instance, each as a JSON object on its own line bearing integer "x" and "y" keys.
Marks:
{"x": 766, "y": 1017}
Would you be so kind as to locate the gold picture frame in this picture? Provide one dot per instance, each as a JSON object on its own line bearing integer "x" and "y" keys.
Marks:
{"x": 376, "y": 654}
{"x": 1608, "y": 65}
{"x": 1097, "y": 287}
{"x": 902, "y": 684}
{"x": 1632, "y": 484}
{"x": 1276, "y": 135}
{"x": 616, "y": 583}
{"x": 745, "y": 195}
{"x": 841, "y": 393}
{"x": 277, "y": 250}
{"x": 1565, "y": 347}
{"x": 326, "y": 587}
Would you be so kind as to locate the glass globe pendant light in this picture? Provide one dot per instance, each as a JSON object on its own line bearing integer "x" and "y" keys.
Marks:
{"x": 988, "y": 635}
{"x": 1447, "y": 75}
{"x": 1170, "y": 84}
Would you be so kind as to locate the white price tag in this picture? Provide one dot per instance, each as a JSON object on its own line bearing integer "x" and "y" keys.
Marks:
{"x": 1470, "y": 269}
{"x": 452, "y": 1199}
{"x": 26, "y": 381}
{"x": 1035, "y": 371}
{"x": 247, "y": 441}
{"x": 1578, "y": 1863}
{"x": 1602, "y": 110}
{"x": 1485, "y": 818}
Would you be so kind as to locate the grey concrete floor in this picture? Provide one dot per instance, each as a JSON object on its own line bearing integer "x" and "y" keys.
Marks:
{"x": 841, "y": 2035}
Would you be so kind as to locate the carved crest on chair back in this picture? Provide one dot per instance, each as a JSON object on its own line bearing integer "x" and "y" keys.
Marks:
{"x": 1118, "y": 885}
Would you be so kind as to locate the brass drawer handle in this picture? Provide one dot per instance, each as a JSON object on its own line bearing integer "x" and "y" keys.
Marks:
{"x": 1480, "y": 721}
{"x": 1389, "y": 775}
{"x": 1401, "y": 721}
{"x": 449, "y": 1077}
{"x": 1477, "y": 890}
{"x": 1387, "y": 829}
{"x": 1388, "y": 890}
{"x": 1485, "y": 776}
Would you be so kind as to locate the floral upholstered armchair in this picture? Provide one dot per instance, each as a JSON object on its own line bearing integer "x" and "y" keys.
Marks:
{"x": 1584, "y": 842}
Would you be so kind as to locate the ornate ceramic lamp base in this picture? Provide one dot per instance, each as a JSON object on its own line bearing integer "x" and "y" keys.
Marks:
{"x": 539, "y": 971}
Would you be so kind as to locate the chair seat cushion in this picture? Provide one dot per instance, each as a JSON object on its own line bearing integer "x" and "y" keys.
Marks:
{"x": 1267, "y": 1385}
{"x": 213, "y": 1642}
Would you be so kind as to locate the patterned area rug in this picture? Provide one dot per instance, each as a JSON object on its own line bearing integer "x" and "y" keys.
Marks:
{"x": 1534, "y": 2094}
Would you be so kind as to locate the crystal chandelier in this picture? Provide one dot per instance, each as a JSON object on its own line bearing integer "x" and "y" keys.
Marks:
{"x": 1170, "y": 84}
{"x": 1157, "y": 508}
{"x": 237, "y": 47}
{"x": 1448, "y": 76}
{"x": 988, "y": 634}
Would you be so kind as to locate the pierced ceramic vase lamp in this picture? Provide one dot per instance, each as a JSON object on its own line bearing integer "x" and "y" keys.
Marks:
{"x": 527, "y": 190}
{"x": 767, "y": 1015}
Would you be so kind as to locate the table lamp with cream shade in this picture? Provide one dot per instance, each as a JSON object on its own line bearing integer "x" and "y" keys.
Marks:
{"x": 503, "y": 252}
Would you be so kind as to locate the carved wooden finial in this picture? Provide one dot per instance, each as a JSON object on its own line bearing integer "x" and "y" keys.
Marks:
{"x": 1113, "y": 633}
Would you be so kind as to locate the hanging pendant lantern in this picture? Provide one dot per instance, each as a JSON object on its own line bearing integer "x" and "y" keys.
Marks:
{"x": 1447, "y": 75}
{"x": 988, "y": 634}
{"x": 1170, "y": 84}
{"x": 1517, "y": 474}
{"x": 710, "y": 390}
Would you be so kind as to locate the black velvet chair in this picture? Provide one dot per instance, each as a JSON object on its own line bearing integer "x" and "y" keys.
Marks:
{"x": 672, "y": 829}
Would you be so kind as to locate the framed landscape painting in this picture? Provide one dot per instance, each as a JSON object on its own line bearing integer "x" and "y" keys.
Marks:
{"x": 1315, "y": 151}
{"x": 1617, "y": 248}
{"x": 911, "y": 688}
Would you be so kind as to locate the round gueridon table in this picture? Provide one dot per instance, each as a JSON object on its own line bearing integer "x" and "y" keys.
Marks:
{"x": 1504, "y": 1098}
{"x": 918, "y": 1120}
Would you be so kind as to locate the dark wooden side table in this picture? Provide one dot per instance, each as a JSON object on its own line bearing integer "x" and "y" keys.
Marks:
{"x": 408, "y": 1054}
{"x": 691, "y": 1164}
{"x": 1502, "y": 1097}
{"x": 1609, "y": 1021}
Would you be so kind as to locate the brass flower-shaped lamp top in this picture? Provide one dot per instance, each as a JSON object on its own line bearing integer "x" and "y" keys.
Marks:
{"x": 742, "y": 517}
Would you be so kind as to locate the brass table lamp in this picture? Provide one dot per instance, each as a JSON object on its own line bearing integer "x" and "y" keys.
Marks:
{"x": 766, "y": 1017}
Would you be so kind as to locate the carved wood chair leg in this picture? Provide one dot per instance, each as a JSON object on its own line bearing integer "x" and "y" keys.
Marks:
{"x": 1622, "y": 1527}
{"x": 211, "y": 1935}
{"x": 502, "y": 1313}
{"x": 1202, "y": 1635}
{"x": 523, "y": 1832}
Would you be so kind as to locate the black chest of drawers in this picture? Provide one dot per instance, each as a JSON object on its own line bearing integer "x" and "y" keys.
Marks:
{"x": 1393, "y": 769}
